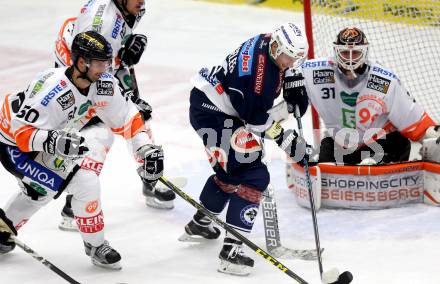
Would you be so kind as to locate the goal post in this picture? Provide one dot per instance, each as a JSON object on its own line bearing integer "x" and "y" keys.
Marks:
{"x": 404, "y": 36}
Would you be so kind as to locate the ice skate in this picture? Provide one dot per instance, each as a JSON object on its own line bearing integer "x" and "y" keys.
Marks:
{"x": 233, "y": 260}
{"x": 68, "y": 220}
{"x": 200, "y": 229}
{"x": 158, "y": 196}
{"x": 104, "y": 256}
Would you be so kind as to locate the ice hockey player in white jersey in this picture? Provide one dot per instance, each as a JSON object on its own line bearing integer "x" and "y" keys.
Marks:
{"x": 46, "y": 144}
{"x": 368, "y": 113}
{"x": 115, "y": 20}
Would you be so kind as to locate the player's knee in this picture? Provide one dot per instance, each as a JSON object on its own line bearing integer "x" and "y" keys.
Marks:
{"x": 85, "y": 185}
{"x": 213, "y": 197}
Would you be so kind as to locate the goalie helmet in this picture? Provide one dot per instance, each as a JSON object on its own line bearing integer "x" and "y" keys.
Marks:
{"x": 91, "y": 45}
{"x": 291, "y": 40}
{"x": 351, "y": 48}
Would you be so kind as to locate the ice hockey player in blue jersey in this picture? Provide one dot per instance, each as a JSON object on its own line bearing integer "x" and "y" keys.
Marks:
{"x": 231, "y": 109}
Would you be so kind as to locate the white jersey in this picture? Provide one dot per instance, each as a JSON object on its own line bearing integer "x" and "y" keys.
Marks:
{"x": 376, "y": 103}
{"x": 52, "y": 102}
{"x": 101, "y": 16}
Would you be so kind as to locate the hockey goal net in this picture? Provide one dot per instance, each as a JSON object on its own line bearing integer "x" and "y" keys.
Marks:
{"x": 404, "y": 36}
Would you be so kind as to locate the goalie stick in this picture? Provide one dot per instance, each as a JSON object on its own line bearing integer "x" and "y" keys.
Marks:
{"x": 272, "y": 233}
{"x": 44, "y": 261}
{"x": 332, "y": 276}
{"x": 272, "y": 260}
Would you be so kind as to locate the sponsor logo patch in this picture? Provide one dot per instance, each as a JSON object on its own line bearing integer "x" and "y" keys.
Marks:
{"x": 91, "y": 165}
{"x": 66, "y": 100}
{"x": 324, "y": 76}
{"x": 52, "y": 93}
{"x": 92, "y": 224}
{"x": 259, "y": 79}
{"x": 104, "y": 88}
{"x": 378, "y": 83}
{"x": 92, "y": 206}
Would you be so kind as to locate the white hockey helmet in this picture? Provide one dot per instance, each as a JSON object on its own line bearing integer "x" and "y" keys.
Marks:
{"x": 291, "y": 41}
{"x": 351, "y": 48}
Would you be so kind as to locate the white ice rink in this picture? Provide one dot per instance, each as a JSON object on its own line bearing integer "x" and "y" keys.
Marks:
{"x": 394, "y": 246}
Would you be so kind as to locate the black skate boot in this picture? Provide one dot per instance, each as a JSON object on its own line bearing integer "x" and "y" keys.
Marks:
{"x": 104, "y": 256}
{"x": 157, "y": 195}
{"x": 8, "y": 245}
{"x": 233, "y": 260}
{"x": 68, "y": 220}
{"x": 199, "y": 229}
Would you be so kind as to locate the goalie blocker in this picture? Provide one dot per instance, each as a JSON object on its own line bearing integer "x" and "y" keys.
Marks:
{"x": 367, "y": 187}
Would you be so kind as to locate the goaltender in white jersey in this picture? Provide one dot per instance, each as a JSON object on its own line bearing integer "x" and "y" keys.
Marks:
{"x": 46, "y": 144}
{"x": 364, "y": 106}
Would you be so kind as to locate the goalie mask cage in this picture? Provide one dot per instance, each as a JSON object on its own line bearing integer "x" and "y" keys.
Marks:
{"x": 404, "y": 36}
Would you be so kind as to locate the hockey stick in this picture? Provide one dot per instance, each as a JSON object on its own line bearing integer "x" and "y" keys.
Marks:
{"x": 272, "y": 260}
{"x": 332, "y": 276}
{"x": 272, "y": 233}
{"x": 44, "y": 261}
{"x": 134, "y": 81}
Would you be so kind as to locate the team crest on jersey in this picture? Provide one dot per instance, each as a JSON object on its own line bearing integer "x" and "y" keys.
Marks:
{"x": 325, "y": 76}
{"x": 66, "y": 100}
{"x": 217, "y": 155}
{"x": 104, "y": 88}
{"x": 378, "y": 83}
{"x": 243, "y": 141}
{"x": 249, "y": 214}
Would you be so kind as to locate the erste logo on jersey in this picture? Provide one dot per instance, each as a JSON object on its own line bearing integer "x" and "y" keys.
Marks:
{"x": 378, "y": 83}
{"x": 245, "y": 57}
{"x": 66, "y": 100}
{"x": 52, "y": 93}
{"x": 325, "y": 76}
{"x": 117, "y": 27}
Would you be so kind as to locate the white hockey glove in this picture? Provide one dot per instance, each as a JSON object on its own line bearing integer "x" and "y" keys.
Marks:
{"x": 65, "y": 143}
{"x": 294, "y": 146}
{"x": 279, "y": 112}
{"x": 151, "y": 157}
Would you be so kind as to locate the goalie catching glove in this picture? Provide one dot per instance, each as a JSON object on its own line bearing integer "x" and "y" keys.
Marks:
{"x": 151, "y": 157}
{"x": 288, "y": 140}
{"x": 6, "y": 231}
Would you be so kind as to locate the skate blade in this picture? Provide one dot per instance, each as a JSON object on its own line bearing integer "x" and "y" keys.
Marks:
{"x": 68, "y": 225}
{"x": 186, "y": 238}
{"x": 156, "y": 203}
{"x": 113, "y": 266}
{"x": 234, "y": 269}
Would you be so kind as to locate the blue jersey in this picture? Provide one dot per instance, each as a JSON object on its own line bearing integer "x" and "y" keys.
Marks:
{"x": 246, "y": 84}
